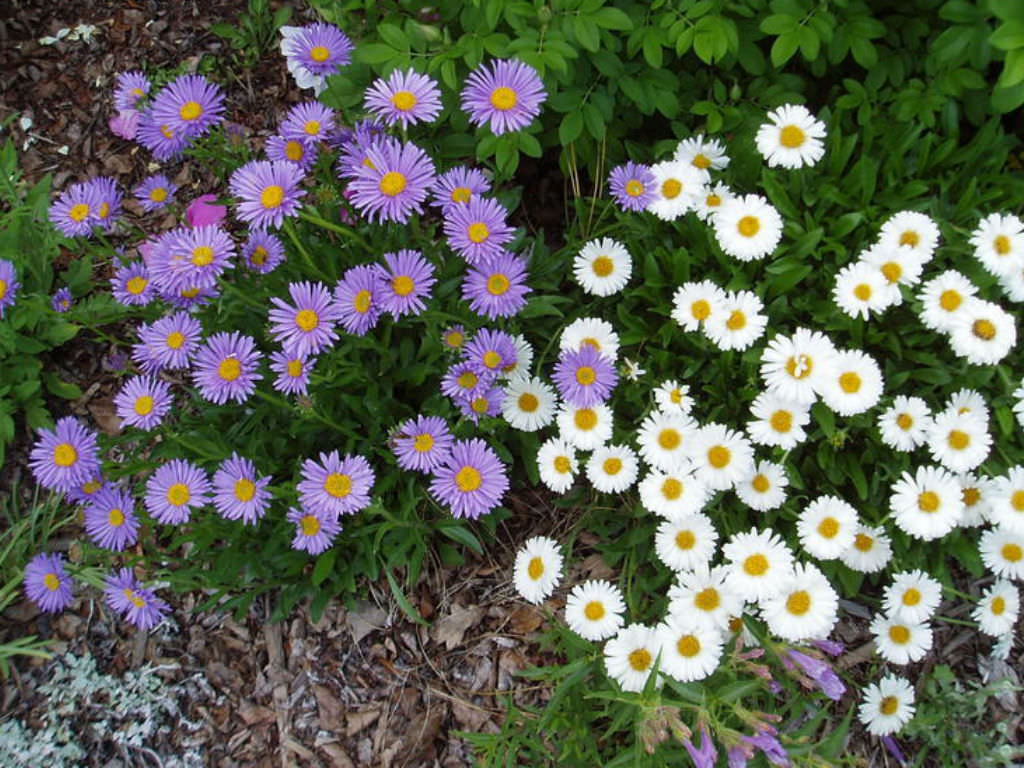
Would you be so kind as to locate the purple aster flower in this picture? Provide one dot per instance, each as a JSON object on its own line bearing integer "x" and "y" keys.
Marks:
{"x": 170, "y": 342}
{"x": 267, "y": 192}
{"x": 353, "y": 144}
{"x": 584, "y": 377}
{"x": 458, "y": 186}
{"x": 61, "y": 300}
{"x": 131, "y": 88}
{"x": 454, "y": 337}
{"x": 301, "y": 153}
{"x": 406, "y": 283}
{"x": 309, "y": 122}
{"x": 486, "y": 403}
{"x": 395, "y": 183}
{"x": 190, "y": 105}
{"x": 314, "y": 531}
{"x": 84, "y": 492}
{"x": 335, "y": 486}
{"x": 47, "y": 584}
{"x": 192, "y": 296}
{"x": 174, "y": 490}
{"x": 477, "y": 230}
{"x": 633, "y": 186}
{"x": 143, "y": 402}
{"x": 76, "y": 211}
{"x": 131, "y": 285}
{"x": 263, "y": 252}
{"x": 422, "y": 443}
{"x": 507, "y": 96}
{"x": 225, "y": 368}
{"x": 491, "y": 350}
{"x": 8, "y": 285}
{"x": 768, "y": 742}
{"x": 472, "y": 479}
{"x": 108, "y": 201}
{"x": 190, "y": 258}
{"x": 164, "y": 141}
{"x": 405, "y": 97}
{"x": 66, "y": 457}
{"x": 497, "y": 286}
{"x": 238, "y": 492}
{"x": 466, "y": 380}
{"x": 292, "y": 372}
{"x": 817, "y": 670}
{"x": 126, "y": 596}
{"x": 706, "y": 756}
{"x": 319, "y": 48}
{"x": 307, "y": 327}
{"x": 110, "y": 519}
{"x": 155, "y": 192}
{"x": 358, "y": 299}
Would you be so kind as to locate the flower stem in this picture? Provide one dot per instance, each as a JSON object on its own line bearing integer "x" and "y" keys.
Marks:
{"x": 340, "y": 229}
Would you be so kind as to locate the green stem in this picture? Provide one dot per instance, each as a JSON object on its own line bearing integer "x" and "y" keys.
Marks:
{"x": 280, "y": 402}
{"x": 290, "y": 229}
{"x": 340, "y": 229}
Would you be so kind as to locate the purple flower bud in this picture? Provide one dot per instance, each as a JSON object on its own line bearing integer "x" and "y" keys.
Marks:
{"x": 706, "y": 756}
{"x": 831, "y": 647}
{"x": 894, "y": 749}
{"x": 820, "y": 672}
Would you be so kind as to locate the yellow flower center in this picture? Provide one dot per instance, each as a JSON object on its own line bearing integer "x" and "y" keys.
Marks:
{"x": 712, "y": 200}
{"x": 828, "y": 528}
{"x": 928, "y": 501}
{"x": 91, "y": 487}
{"x": 756, "y": 565}
{"x": 970, "y": 496}
{"x": 863, "y": 543}
{"x": 634, "y": 188}
{"x": 492, "y": 359}
{"x": 202, "y": 256}
{"x": 585, "y": 419}
{"x": 737, "y": 321}
{"x": 319, "y": 53}
{"x": 850, "y": 383}
{"x": 64, "y": 455}
{"x": 79, "y": 212}
{"x": 603, "y": 266}
{"x": 245, "y": 489}
{"x": 51, "y": 582}
{"x": 477, "y": 232}
{"x": 312, "y": 127}
{"x": 1002, "y": 245}
{"x": 798, "y": 603}
{"x": 700, "y": 309}
{"x": 178, "y": 495}
{"x": 892, "y": 271}
{"x": 467, "y": 380}
{"x": 158, "y": 194}
{"x": 503, "y": 98}
{"x": 175, "y": 339}
{"x": 115, "y": 518}
{"x": 911, "y": 597}
{"x": 528, "y": 402}
{"x": 307, "y": 320}
{"x": 707, "y": 599}
{"x": 562, "y": 465}
{"x": 669, "y": 439}
{"x": 685, "y": 540}
{"x": 612, "y": 466}
{"x": 749, "y": 226}
{"x": 166, "y": 132}
{"x": 761, "y": 483}
{"x": 468, "y": 479}
{"x": 594, "y": 610}
{"x": 676, "y": 396}
{"x": 402, "y": 285}
{"x": 958, "y": 440}
{"x": 984, "y": 329}
{"x": 781, "y": 421}
{"x": 640, "y": 659}
{"x": 1017, "y": 501}
{"x": 791, "y": 137}
{"x": 889, "y": 705}
{"x": 1012, "y": 553}
{"x": 229, "y": 369}
{"x": 671, "y": 489}
{"x": 950, "y": 300}
{"x": 719, "y": 456}
{"x": 190, "y": 110}
{"x": 189, "y": 293}
{"x": 862, "y": 291}
{"x": 998, "y": 606}
{"x": 338, "y": 485}
{"x": 479, "y": 404}
{"x": 586, "y": 375}
{"x": 403, "y": 101}
{"x": 392, "y": 183}
{"x": 670, "y": 188}
{"x": 904, "y": 421}
{"x": 899, "y": 634}
{"x": 800, "y": 366}
{"x": 136, "y": 285}
{"x": 535, "y": 568}
{"x": 590, "y": 341}
{"x": 295, "y": 368}
{"x": 272, "y": 196}
{"x": 688, "y": 646}
{"x": 310, "y": 525}
{"x": 423, "y": 442}
{"x": 454, "y": 339}
{"x": 497, "y": 284}
{"x": 361, "y": 302}
{"x": 701, "y": 161}
{"x": 143, "y": 405}
{"x": 461, "y": 194}
{"x": 294, "y": 150}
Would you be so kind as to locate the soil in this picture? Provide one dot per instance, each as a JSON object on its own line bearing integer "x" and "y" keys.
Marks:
{"x": 363, "y": 685}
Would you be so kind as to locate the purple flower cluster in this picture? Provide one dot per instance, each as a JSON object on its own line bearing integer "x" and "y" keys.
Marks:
{"x": 331, "y": 486}
{"x": 185, "y": 109}
{"x": 82, "y": 206}
{"x": 391, "y": 182}
{"x": 123, "y": 593}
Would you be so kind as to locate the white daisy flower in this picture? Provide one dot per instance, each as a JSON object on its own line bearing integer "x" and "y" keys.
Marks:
{"x": 673, "y": 495}
{"x": 602, "y": 267}
{"x": 739, "y": 322}
{"x": 913, "y": 596}
{"x": 967, "y": 400}
{"x": 703, "y": 154}
{"x": 712, "y": 199}
{"x": 861, "y": 289}
{"x": 538, "y": 569}
{"x": 556, "y": 462}
{"x": 524, "y": 358}
{"x": 944, "y": 298}
{"x": 686, "y": 543}
{"x": 899, "y": 266}
{"x": 983, "y": 332}
{"x": 913, "y": 230}
{"x": 1006, "y": 501}
{"x": 689, "y": 651}
{"x": 594, "y": 609}
{"x": 998, "y": 609}
{"x": 703, "y": 596}
{"x": 805, "y": 608}
{"x": 999, "y": 243}
{"x": 694, "y": 303}
{"x": 1013, "y": 284}
{"x": 721, "y": 456}
{"x": 904, "y": 424}
{"x": 665, "y": 439}
{"x": 747, "y": 227}
{"x": 672, "y": 397}
{"x": 927, "y": 504}
{"x": 529, "y": 403}
{"x": 678, "y": 185}
{"x": 959, "y": 441}
{"x": 976, "y": 493}
{"x": 586, "y": 428}
{"x": 1018, "y": 406}
{"x": 887, "y": 705}
{"x": 855, "y": 384}
{"x": 827, "y": 527}
{"x": 758, "y": 562}
{"x": 593, "y": 332}
{"x": 1002, "y": 552}
{"x": 631, "y": 369}
{"x": 870, "y": 552}
{"x": 629, "y": 656}
{"x": 899, "y": 641}
{"x": 792, "y": 138}
{"x": 765, "y": 488}
{"x": 612, "y": 468}
{"x": 778, "y": 421}
{"x": 796, "y": 367}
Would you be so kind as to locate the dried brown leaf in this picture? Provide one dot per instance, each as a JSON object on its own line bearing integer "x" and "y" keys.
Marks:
{"x": 452, "y": 628}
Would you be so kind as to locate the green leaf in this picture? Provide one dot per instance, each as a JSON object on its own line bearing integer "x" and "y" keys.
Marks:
{"x": 324, "y": 566}
{"x": 613, "y": 18}
{"x": 403, "y": 601}
{"x": 1008, "y": 36}
{"x": 393, "y": 36}
{"x": 60, "y": 388}
{"x": 1013, "y": 69}
{"x": 594, "y": 121}
{"x": 652, "y": 48}
{"x": 1008, "y": 99}
{"x": 778, "y": 24}
{"x": 375, "y": 53}
{"x": 457, "y": 531}
{"x": 784, "y": 47}
{"x": 587, "y": 33}
{"x": 529, "y": 145}
{"x": 825, "y": 418}
{"x": 570, "y": 128}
